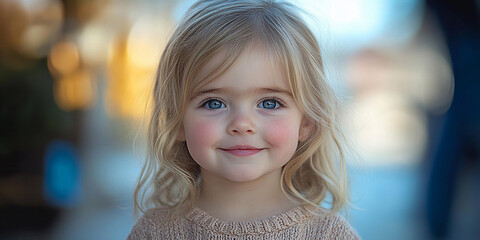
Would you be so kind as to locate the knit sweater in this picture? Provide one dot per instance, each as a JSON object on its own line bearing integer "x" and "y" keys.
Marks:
{"x": 297, "y": 223}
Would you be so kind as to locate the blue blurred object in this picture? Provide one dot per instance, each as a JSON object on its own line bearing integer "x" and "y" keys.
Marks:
{"x": 458, "y": 152}
{"x": 62, "y": 175}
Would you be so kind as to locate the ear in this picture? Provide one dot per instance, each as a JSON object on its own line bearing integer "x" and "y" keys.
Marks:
{"x": 181, "y": 134}
{"x": 306, "y": 129}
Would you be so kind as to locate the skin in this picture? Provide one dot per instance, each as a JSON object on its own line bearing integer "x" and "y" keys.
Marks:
{"x": 241, "y": 129}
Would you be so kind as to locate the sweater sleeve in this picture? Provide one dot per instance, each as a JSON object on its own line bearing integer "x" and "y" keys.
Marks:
{"x": 142, "y": 229}
{"x": 336, "y": 227}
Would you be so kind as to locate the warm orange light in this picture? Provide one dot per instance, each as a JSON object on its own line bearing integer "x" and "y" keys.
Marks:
{"x": 76, "y": 91}
{"x": 129, "y": 85}
{"x": 44, "y": 23}
{"x": 28, "y": 29}
{"x": 145, "y": 42}
{"x": 132, "y": 62}
{"x": 64, "y": 58}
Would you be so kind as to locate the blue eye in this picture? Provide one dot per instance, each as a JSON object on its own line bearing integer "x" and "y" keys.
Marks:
{"x": 213, "y": 104}
{"x": 269, "y": 104}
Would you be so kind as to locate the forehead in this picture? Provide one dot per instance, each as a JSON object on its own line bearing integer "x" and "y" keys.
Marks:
{"x": 255, "y": 67}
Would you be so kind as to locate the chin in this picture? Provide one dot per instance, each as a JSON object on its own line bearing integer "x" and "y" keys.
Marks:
{"x": 239, "y": 177}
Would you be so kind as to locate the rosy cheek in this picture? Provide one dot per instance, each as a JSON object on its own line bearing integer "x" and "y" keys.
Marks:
{"x": 280, "y": 132}
{"x": 201, "y": 131}
{"x": 201, "y": 136}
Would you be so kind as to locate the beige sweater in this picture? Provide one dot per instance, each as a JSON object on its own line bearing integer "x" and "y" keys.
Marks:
{"x": 297, "y": 224}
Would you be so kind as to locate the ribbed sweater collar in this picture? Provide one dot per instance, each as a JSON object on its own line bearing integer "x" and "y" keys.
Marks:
{"x": 275, "y": 223}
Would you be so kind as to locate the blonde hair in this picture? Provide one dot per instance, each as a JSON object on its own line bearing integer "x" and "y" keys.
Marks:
{"x": 170, "y": 178}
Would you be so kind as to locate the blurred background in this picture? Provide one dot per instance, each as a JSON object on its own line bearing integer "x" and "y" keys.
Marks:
{"x": 75, "y": 77}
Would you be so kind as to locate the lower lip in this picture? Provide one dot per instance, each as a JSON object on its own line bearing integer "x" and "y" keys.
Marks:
{"x": 242, "y": 152}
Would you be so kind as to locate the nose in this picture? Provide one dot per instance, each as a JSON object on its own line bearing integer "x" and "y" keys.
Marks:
{"x": 241, "y": 124}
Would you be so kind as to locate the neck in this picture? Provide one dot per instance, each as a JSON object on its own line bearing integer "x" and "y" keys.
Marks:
{"x": 234, "y": 201}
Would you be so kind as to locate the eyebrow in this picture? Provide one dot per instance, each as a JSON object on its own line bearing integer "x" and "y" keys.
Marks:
{"x": 256, "y": 91}
{"x": 274, "y": 90}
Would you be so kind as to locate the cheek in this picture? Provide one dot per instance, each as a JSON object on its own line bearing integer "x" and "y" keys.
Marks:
{"x": 200, "y": 137}
{"x": 200, "y": 131}
{"x": 281, "y": 133}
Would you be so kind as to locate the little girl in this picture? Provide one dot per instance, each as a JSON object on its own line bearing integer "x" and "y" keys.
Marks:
{"x": 243, "y": 140}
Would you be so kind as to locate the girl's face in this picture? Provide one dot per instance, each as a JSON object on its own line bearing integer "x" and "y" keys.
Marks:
{"x": 245, "y": 124}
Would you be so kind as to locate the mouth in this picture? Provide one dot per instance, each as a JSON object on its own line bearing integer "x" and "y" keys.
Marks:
{"x": 242, "y": 150}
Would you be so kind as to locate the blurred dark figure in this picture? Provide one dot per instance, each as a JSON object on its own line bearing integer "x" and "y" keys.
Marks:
{"x": 458, "y": 150}
{"x": 29, "y": 120}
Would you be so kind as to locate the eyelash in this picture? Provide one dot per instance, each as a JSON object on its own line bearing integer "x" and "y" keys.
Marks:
{"x": 206, "y": 101}
{"x": 280, "y": 103}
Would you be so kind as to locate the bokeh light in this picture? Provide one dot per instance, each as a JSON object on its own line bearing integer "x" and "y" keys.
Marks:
{"x": 62, "y": 185}
{"x": 64, "y": 58}
{"x": 94, "y": 41}
{"x": 75, "y": 91}
{"x": 44, "y": 19}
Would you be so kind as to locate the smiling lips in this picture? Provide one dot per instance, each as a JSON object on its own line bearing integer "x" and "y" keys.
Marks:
{"x": 242, "y": 150}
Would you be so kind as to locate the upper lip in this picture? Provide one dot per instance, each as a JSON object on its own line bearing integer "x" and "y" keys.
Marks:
{"x": 242, "y": 147}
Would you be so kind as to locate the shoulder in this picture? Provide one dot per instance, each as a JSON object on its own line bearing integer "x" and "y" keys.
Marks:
{"x": 333, "y": 226}
{"x": 152, "y": 224}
